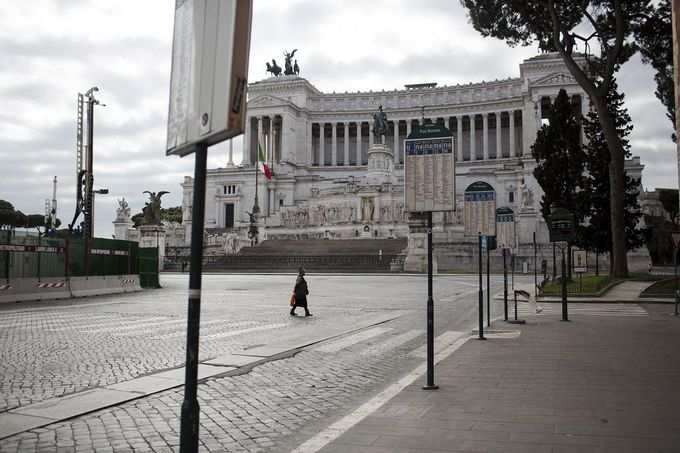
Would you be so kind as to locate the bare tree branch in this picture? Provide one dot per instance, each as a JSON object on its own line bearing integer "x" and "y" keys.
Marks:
{"x": 573, "y": 67}
{"x": 613, "y": 56}
{"x": 584, "y": 8}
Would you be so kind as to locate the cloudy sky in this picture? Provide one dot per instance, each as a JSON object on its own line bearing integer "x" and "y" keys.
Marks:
{"x": 52, "y": 49}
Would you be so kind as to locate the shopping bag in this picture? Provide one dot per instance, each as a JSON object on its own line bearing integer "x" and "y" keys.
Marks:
{"x": 292, "y": 300}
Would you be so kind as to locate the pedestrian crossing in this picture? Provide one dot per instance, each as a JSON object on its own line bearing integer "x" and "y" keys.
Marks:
{"x": 392, "y": 342}
{"x": 346, "y": 342}
{"x": 580, "y": 309}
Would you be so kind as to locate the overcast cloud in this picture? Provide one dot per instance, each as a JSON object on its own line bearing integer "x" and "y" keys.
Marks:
{"x": 52, "y": 49}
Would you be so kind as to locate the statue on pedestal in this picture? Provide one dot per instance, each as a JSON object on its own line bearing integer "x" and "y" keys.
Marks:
{"x": 527, "y": 196}
{"x": 379, "y": 125}
{"x": 288, "y": 65}
{"x": 122, "y": 211}
{"x": 152, "y": 209}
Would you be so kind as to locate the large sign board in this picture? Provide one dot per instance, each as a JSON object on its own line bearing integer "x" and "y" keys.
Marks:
{"x": 579, "y": 261}
{"x": 561, "y": 225}
{"x": 505, "y": 227}
{"x": 208, "y": 80}
{"x": 480, "y": 209}
{"x": 429, "y": 172}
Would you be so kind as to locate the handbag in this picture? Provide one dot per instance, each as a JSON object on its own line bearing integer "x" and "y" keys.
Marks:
{"x": 292, "y": 299}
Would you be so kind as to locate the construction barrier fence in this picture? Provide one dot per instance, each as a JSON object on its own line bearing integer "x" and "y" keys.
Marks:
{"x": 31, "y": 256}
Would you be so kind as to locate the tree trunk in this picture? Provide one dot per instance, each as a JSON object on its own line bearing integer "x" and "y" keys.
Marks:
{"x": 619, "y": 262}
{"x": 597, "y": 264}
{"x": 569, "y": 262}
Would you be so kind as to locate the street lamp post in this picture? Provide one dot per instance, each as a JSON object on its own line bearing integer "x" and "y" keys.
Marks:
{"x": 562, "y": 229}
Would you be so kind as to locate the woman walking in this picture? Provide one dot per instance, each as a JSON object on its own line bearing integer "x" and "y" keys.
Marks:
{"x": 300, "y": 291}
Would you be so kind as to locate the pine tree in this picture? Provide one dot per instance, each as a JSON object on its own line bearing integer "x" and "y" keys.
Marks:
{"x": 596, "y": 235}
{"x": 561, "y": 160}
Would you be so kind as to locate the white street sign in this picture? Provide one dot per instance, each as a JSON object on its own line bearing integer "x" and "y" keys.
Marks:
{"x": 209, "y": 76}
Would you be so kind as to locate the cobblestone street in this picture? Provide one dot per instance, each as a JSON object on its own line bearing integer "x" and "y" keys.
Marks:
{"x": 65, "y": 347}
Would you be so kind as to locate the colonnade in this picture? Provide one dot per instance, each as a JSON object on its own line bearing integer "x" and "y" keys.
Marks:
{"x": 345, "y": 143}
{"x": 266, "y": 131}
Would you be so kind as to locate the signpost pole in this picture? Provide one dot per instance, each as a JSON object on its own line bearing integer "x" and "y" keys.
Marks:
{"x": 430, "y": 310}
{"x": 565, "y": 316}
{"x": 481, "y": 291}
{"x": 190, "y": 409}
{"x": 488, "y": 288}
{"x": 535, "y": 269}
{"x": 505, "y": 286}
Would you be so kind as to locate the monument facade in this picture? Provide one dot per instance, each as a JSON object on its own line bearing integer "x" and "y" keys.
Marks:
{"x": 338, "y": 158}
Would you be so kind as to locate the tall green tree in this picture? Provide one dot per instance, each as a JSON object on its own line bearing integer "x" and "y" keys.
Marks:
{"x": 7, "y": 214}
{"x": 669, "y": 201}
{"x": 557, "y": 25}
{"x": 561, "y": 160}
{"x": 596, "y": 235}
{"x": 654, "y": 37}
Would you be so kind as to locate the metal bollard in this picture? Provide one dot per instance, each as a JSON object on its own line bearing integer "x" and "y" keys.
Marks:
{"x": 677, "y": 301}
{"x": 518, "y": 321}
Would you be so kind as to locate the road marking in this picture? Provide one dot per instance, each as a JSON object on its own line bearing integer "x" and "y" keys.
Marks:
{"x": 338, "y": 428}
{"x": 233, "y": 333}
{"x": 118, "y": 321}
{"x": 589, "y": 310}
{"x": 172, "y": 325}
{"x": 29, "y": 322}
{"x": 342, "y": 343}
{"x": 392, "y": 342}
{"x": 183, "y": 333}
{"x": 442, "y": 341}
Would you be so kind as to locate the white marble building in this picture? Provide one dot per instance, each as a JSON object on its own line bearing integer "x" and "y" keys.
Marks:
{"x": 317, "y": 145}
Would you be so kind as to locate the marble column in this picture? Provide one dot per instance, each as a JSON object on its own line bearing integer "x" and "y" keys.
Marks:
{"x": 499, "y": 143}
{"x": 334, "y": 144}
{"x": 539, "y": 113}
{"x": 283, "y": 140}
{"x": 230, "y": 161}
{"x": 322, "y": 144}
{"x": 395, "y": 151}
{"x": 473, "y": 144}
{"x": 309, "y": 157}
{"x": 485, "y": 136}
{"x": 511, "y": 115}
{"x": 260, "y": 139}
{"x": 245, "y": 157}
{"x": 459, "y": 137}
{"x": 358, "y": 150}
{"x": 409, "y": 126}
{"x": 371, "y": 139}
{"x": 346, "y": 143}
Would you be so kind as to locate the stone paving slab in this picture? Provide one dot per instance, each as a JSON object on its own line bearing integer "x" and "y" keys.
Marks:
{"x": 204, "y": 371}
{"x": 16, "y": 423}
{"x": 80, "y": 403}
{"x": 594, "y": 384}
{"x": 234, "y": 360}
{"x": 147, "y": 385}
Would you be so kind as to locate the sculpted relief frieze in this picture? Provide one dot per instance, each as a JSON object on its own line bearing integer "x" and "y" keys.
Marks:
{"x": 363, "y": 210}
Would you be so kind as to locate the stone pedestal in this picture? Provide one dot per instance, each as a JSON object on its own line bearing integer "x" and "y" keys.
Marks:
{"x": 527, "y": 224}
{"x": 380, "y": 165}
{"x": 153, "y": 236}
{"x": 416, "y": 254}
{"x": 120, "y": 229}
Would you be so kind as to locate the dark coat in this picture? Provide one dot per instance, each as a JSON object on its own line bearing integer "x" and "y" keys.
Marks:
{"x": 301, "y": 292}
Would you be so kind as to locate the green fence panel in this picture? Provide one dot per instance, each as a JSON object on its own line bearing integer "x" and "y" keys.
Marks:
{"x": 106, "y": 257}
{"x": 148, "y": 267}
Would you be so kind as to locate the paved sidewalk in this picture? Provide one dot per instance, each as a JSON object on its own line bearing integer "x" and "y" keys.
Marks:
{"x": 628, "y": 291}
{"x": 594, "y": 384}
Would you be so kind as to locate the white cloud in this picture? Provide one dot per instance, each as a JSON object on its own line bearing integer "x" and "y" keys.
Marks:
{"x": 52, "y": 49}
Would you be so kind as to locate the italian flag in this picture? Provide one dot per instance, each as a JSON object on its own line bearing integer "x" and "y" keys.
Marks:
{"x": 261, "y": 160}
